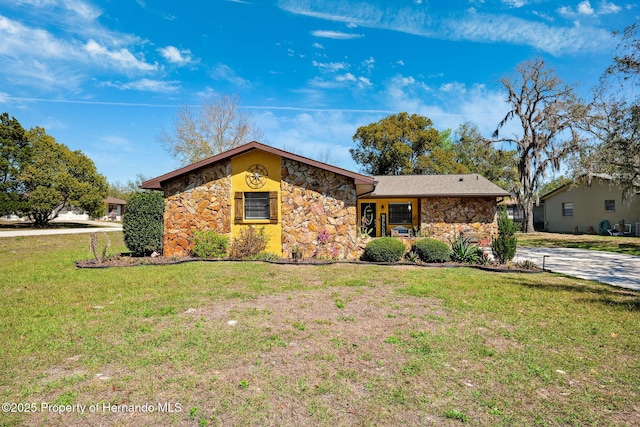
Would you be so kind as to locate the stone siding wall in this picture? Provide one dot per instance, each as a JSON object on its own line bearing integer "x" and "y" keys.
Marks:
{"x": 198, "y": 201}
{"x": 316, "y": 201}
{"x": 444, "y": 218}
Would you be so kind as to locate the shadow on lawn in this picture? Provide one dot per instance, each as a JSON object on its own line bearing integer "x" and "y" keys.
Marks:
{"x": 601, "y": 294}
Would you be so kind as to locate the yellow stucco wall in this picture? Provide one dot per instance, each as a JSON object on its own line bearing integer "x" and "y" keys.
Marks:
{"x": 239, "y": 166}
{"x": 382, "y": 207}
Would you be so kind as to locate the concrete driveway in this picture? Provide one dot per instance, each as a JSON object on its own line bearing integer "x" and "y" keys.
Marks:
{"x": 606, "y": 267}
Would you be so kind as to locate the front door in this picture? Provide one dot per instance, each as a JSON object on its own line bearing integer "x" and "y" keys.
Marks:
{"x": 368, "y": 219}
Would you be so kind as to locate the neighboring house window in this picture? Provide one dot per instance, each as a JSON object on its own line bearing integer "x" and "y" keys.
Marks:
{"x": 610, "y": 205}
{"x": 260, "y": 205}
{"x": 399, "y": 213}
{"x": 567, "y": 209}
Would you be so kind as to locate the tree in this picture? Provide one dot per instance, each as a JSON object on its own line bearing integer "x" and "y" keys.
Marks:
{"x": 549, "y": 114}
{"x": 56, "y": 177}
{"x": 615, "y": 121}
{"x": 504, "y": 245}
{"x": 478, "y": 155}
{"x": 14, "y": 154}
{"x": 403, "y": 144}
{"x": 217, "y": 126}
{"x": 124, "y": 191}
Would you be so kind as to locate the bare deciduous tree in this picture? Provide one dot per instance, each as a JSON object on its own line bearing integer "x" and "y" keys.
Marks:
{"x": 550, "y": 114}
{"x": 218, "y": 125}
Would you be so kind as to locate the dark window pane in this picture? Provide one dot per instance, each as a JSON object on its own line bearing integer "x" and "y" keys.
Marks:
{"x": 399, "y": 213}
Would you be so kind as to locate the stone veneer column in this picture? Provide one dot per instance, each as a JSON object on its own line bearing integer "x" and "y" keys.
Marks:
{"x": 445, "y": 217}
{"x": 316, "y": 200}
{"x": 200, "y": 200}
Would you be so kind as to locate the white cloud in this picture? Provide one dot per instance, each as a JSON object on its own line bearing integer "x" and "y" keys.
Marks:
{"x": 608, "y": 8}
{"x": 82, "y": 9}
{"x": 318, "y": 45}
{"x": 478, "y": 27}
{"x": 584, "y": 8}
{"x": 369, "y": 63}
{"x": 514, "y": 3}
{"x": 176, "y": 56}
{"x": 122, "y": 57}
{"x": 146, "y": 85}
{"x": 337, "y": 35}
{"x": 226, "y": 73}
{"x": 456, "y": 87}
{"x": 330, "y": 66}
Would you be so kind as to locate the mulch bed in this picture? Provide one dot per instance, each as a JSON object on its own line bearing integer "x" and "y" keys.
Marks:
{"x": 131, "y": 261}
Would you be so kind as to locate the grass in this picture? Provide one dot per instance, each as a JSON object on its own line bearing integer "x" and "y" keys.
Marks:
{"x": 262, "y": 344}
{"x": 618, "y": 244}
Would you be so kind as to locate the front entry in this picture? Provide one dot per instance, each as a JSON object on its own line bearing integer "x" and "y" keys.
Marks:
{"x": 368, "y": 219}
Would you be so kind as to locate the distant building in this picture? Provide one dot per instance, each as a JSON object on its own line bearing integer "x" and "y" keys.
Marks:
{"x": 582, "y": 206}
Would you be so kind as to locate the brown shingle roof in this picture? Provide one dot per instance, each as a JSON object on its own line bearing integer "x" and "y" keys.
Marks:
{"x": 114, "y": 201}
{"x": 468, "y": 185}
{"x": 156, "y": 183}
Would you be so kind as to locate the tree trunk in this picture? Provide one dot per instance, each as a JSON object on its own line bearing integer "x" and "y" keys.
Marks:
{"x": 527, "y": 215}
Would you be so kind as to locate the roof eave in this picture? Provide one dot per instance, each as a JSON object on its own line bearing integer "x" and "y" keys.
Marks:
{"x": 156, "y": 183}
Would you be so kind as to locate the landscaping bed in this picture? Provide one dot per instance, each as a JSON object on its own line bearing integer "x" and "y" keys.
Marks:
{"x": 132, "y": 261}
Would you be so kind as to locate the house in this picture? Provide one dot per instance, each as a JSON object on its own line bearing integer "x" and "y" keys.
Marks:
{"x": 441, "y": 206}
{"x": 582, "y": 206}
{"x": 297, "y": 199}
{"x": 115, "y": 209}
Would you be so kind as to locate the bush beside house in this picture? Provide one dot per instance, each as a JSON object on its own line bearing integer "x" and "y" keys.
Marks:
{"x": 142, "y": 224}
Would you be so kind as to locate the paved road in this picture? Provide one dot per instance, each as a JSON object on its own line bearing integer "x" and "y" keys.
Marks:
{"x": 606, "y": 267}
{"x": 101, "y": 226}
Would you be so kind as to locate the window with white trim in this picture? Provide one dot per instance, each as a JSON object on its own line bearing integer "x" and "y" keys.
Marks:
{"x": 609, "y": 205}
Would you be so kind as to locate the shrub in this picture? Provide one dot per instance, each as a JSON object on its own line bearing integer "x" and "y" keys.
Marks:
{"x": 384, "y": 249}
{"x": 250, "y": 242}
{"x": 526, "y": 264}
{"x": 142, "y": 223}
{"x": 462, "y": 250}
{"x": 209, "y": 244}
{"x": 432, "y": 250}
{"x": 504, "y": 246}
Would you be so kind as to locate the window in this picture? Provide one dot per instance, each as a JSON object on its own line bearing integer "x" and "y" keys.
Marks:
{"x": 251, "y": 206}
{"x": 610, "y": 205}
{"x": 256, "y": 205}
{"x": 399, "y": 213}
{"x": 567, "y": 209}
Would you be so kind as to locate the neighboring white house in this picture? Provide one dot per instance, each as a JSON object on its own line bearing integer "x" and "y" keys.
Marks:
{"x": 581, "y": 208}
{"x": 115, "y": 209}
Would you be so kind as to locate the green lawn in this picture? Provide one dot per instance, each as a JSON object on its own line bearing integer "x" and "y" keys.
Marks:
{"x": 619, "y": 244}
{"x": 229, "y": 343}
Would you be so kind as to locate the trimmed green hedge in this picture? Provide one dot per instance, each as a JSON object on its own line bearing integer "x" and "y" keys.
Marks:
{"x": 142, "y": 223}
{"x": 432, "y": 250}
{"x": 384, "y": 249}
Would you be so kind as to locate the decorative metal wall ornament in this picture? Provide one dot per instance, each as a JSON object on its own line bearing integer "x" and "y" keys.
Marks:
{"x": 256, "y": 176}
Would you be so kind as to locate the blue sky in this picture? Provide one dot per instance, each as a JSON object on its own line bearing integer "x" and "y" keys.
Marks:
{"x": 106, "y": 77}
